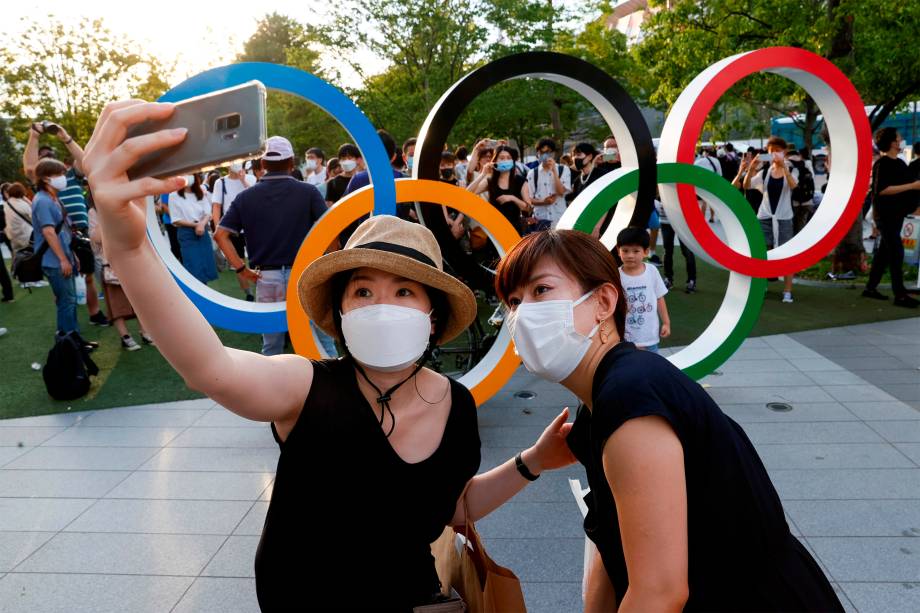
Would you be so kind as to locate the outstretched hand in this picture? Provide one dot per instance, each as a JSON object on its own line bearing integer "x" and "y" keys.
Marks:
{"x": 551, "y": 451}
{"x": 106, "y": 161}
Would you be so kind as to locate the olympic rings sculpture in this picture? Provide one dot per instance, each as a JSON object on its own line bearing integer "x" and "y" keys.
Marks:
{"x": 629, "y": 191}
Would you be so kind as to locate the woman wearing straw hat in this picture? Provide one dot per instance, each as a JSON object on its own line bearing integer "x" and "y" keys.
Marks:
{"x": 375, "y": 449}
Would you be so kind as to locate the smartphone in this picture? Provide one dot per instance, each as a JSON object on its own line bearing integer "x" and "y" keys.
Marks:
{"x": 225, "y": 126}
{"x": 766, "y": 158}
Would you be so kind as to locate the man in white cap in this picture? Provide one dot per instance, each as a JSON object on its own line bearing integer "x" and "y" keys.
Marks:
{"x": 226, "y": 189}
{"x": 276, "y": 214}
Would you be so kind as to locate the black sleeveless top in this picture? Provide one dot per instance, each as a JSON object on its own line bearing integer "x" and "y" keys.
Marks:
{"x": 742, "y": 556}
{"x": 350, "y": 523}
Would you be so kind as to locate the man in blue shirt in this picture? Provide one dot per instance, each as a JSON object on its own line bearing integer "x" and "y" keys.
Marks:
{"x": 276, "y": 214}
{"x": 71, "y": 197}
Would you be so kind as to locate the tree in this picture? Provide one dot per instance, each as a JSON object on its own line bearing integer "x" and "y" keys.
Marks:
{"x": 10, "y": 155}
{"x": 67, "y": 72}
{"x": 274, "y": 36}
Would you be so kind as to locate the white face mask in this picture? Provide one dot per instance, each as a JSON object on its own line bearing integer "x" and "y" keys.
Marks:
{"x": 386, "y": 337}
{"x": 348, "y": 165}
{"x": 310, "y": 165}
{"x": 189, "y": 181}
{"x": 545, "y": 337}
{"x": 611, "y": 153}
{"x": 58, "y": 183}
{"x": 236, "y": 168}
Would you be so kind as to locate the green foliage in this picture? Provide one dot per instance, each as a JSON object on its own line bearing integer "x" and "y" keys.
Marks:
{"x": 67, "y": 71}
{"x": 10, "y": 156}
{"x": 274, "y": 36}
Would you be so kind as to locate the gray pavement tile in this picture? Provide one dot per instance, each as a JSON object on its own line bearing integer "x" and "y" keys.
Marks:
{"x": 219, "y": 460}
{"x": 837, "y": 377}
{"x": 162, "y": 516}
{"x": 236, "y": 558}
{"x": 884, "y": 597}
{"x": 84, "y": 458}
{"x": 802, "y": 411}
{"x": 811, "y": 432}
{"x": 26, "y": 437}
{"x": 510, "y": 436}
{"x": 55, "y": 420}
{"x": 552, "y": 597}
{"x": 540, "y": 560}
{"x": 750, "y": 395}
{"x": 128, "y": 554}
{"x": 192, "y": 486}
{"x": 836, "y": 455}
{"x": 536, "y": 416}
{"x": 547, "y": 520}
{"x": 88, "y": 593}
{"x": 907, "y": 392}
{"x": 496, "y": 456}
{"x": 552, "y": 487}
{"x": 854, "y": 351}
{"x": 898, "y": 431}
{"x": 753, "y": 342}
{"x": 149, "y": 418}
{"x": 58, "y": 483}
{"x": 911, "y": 450}
{"x": 757, "y": 366}
{"x": 889, "y": 340}
{"x": 757, "y": 353}
{"x": 758, "y": 380}
{"x": 219, "y": 595}
{"x": 844, "y": 600}
{"x": 857, "y": 393}
{"x": 814, "y": 340}
{"x": 797, "y": 351}
{"x": 267, "y": 491}
{"x": 180, "y": 405}
{"x": 816, "y": 558}
{"x": 869, "y": 558}
{"x": 883, "y": 378}
{"x": 225, "y": 437}
{"x": 907, "y": 353}
{"x": 891, "y": 326}
{"x": 893, "y": 409}
{"x": 17, "y": 546}
{"x": 87, "y": 436}
{"x": 880, "y": 363}
{"x": 254, "y": 520}
{"x": 814, "y": 364}
{"x": 220, "y": 417}
{"x": 8, "y": 454}
{"x": 855, "y": 517}
{"x": 40, "y": 514}
{"x": 846, "y": 484}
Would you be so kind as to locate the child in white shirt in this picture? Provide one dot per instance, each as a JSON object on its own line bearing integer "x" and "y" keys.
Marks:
{"x": 644, "y": 290}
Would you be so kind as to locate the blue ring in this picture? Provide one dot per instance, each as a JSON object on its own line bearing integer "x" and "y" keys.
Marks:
{"x": 234, "y": 314}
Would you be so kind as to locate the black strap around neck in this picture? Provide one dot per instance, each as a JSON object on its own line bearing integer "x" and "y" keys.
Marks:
{"x": 383, "y": 398}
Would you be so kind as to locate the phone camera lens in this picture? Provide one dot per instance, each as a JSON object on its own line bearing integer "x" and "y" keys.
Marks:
{"x": 233, "y": 122}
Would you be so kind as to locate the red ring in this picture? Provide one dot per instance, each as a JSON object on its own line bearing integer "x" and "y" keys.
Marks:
{"x": 749, "y": 63}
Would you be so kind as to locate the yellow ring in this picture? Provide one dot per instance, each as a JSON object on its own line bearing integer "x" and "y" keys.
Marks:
{"x": 500, "y": 362}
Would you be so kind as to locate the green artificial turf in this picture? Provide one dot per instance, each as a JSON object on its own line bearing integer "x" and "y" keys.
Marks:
{"x": 144, "y": 377}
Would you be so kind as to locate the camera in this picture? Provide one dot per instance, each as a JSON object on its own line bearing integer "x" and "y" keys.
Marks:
{"x": 50, "y": 127}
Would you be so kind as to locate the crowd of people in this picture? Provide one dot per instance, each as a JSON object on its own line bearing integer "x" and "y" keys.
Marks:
{"x": 240, "y": 217}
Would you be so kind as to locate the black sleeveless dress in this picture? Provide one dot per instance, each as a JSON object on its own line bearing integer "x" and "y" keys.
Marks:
{"x": 742, "y": 556}
{"x": 350, "y": 523}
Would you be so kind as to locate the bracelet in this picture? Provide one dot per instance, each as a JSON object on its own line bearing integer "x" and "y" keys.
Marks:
{"x": 522, "y": 468}
{"x": 67, "y": 142}
{"x": 240, "y": 269}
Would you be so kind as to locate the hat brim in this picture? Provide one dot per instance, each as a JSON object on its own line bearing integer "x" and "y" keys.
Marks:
{"x": 314, "y": 288}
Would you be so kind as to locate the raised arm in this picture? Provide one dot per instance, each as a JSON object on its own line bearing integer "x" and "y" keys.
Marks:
{"x": 254, "y": 386}
{"x": 30, "y": 154}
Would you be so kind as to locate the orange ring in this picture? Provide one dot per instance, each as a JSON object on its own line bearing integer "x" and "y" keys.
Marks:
{"x": 361, "y": 202}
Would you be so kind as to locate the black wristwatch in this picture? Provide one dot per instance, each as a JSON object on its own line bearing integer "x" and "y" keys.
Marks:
{"x": 522, "y": 468}
{"x": 240, "y": 269}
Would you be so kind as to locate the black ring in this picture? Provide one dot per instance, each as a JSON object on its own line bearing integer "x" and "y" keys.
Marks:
{"x": 444, "y": 114}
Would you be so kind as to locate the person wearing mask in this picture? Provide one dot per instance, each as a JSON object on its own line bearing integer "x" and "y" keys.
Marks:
{"x": 408, "y": 151}
{"x": 402, "y": 437}
{"x": 549, "y": 182}
{"x": 610, "y": 155}
{"x": 71, "y": 197}
{"x": 707, "y": 159}
{"x": 226, "y": 189}
{"x": 333, "y": 169}
{"x": 775, "y": 182}
{"x": 52, "y": 233}
{"x": 314, "y": 168}
{"x": 894, "y": 192}
{"x": 750, "y": 158}
{"x": 483, "y": 152}
{"x": 585, "y": 158}
{"x": 213, "y": 176}
{"x": 507, "y": 189}
{"x": 190, "y": 210}
{"x": 276, "y": 214}
{"x": 350, "y": 161}
{"x": 681, "y": 508}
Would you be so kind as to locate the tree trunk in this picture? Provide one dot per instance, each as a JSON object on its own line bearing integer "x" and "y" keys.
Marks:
{"x": 811, "y": 118}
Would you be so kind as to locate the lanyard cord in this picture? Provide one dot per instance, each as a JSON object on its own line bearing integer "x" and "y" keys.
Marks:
{"x": 383, "y": 399}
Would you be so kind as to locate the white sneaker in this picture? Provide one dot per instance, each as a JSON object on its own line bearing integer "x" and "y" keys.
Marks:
{"x": 787, "y": 297}
{"x": 3, "y": 331}
{"x": 129, "y": 344}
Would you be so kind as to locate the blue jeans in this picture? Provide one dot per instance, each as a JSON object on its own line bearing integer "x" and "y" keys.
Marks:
{"x": 65, "y": 296}
{"x": 651, "y": 348}
{"x": 272, "y": 287}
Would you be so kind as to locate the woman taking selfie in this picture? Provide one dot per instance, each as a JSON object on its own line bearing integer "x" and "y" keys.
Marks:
{"x": 508, "y": 190}
{"x": 375, "y": 449}
{"x": 681, "y": 508}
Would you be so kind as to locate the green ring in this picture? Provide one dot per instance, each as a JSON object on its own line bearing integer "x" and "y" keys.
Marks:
{"x": 741, "y": 319}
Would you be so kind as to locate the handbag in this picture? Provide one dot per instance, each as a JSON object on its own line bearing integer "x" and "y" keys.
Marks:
{"x": 27, "y": 263}
{"x": 82, "y": 249}
{"x": 108, "y": 275}
{"x": 484, "y": 586}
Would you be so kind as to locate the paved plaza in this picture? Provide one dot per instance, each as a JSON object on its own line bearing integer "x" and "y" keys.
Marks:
{"x": 159, "y": 508}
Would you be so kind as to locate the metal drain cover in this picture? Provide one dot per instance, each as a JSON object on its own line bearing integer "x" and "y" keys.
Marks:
{"x": 525, "y": 395}
{"x": 779, "y": 407}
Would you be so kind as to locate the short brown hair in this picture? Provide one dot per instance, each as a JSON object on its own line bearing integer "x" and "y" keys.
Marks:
{"x": 776, "y": 141}
{"x": 48, "y": 167}
{"x": 578, "y": 254}
{"x": 16, "y": 190}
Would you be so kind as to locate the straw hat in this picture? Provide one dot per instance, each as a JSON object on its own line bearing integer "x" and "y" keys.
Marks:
{"x": 393, "y": 245}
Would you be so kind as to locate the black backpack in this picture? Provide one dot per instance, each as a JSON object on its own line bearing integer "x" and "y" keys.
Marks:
{"x": 68, "y": 369}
